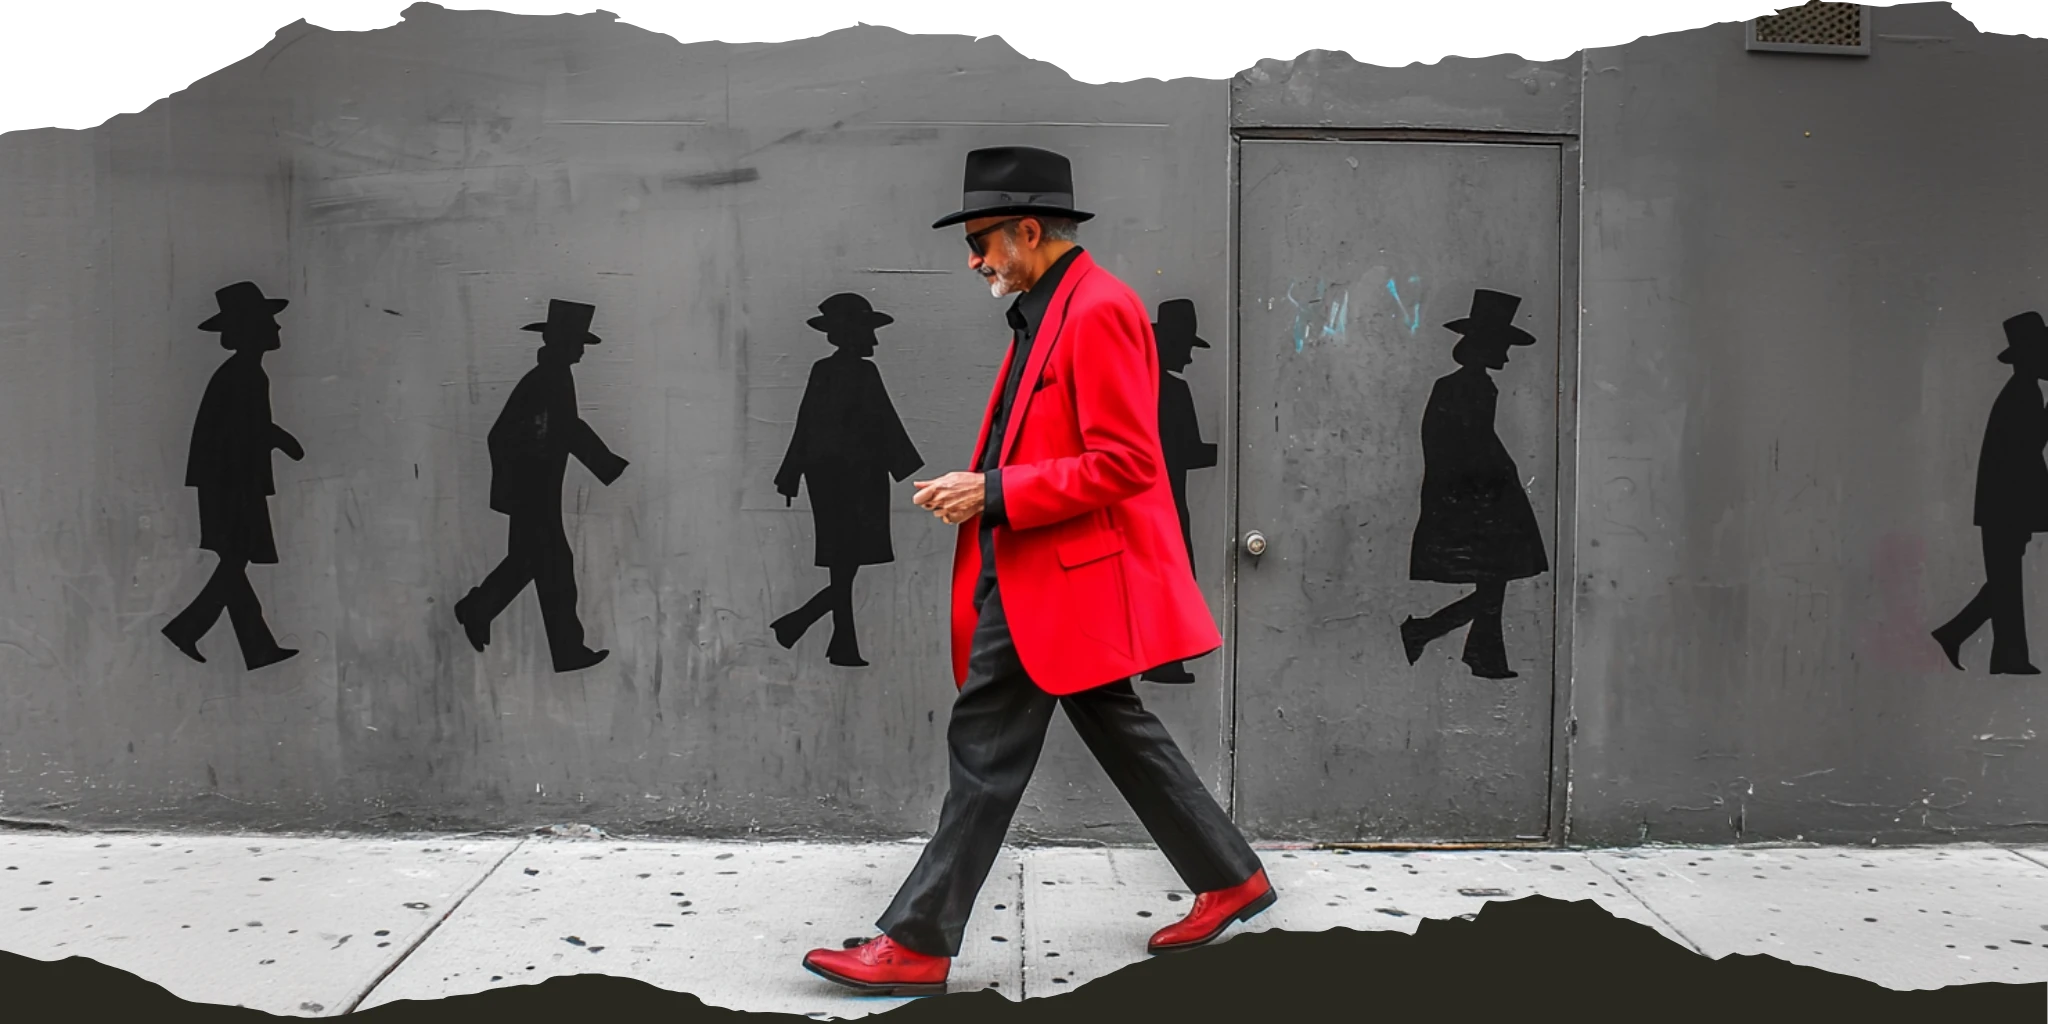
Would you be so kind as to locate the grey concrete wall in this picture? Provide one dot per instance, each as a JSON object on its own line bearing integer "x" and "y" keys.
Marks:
{"x": 418, "y": 193}
{"x": 1792, "y": 273}
{"x": 1795, "y": 270}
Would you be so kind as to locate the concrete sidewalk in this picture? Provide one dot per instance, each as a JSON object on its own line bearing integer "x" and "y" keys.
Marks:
{"x": 320, "y": 926}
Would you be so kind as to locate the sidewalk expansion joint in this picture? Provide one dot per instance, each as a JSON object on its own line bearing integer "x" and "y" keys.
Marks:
{"x": 2026, "y": 856}
{"x": 1023, "y": 934}
{"x": 407, "y": 952}
{"x": 1647, "y": 905}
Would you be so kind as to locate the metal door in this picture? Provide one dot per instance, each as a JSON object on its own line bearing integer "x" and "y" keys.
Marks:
{"x": 1353, "y": 255}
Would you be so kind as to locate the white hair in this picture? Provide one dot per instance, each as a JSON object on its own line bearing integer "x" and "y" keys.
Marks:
{"x": 1054, "y": 229}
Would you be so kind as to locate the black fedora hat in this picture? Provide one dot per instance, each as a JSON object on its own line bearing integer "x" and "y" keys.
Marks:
{"x": 2025, "y": 331}
{"x": 1177, "y": 322}
{"x": 1016, "y": 180}
{"x": 1492, "y": 317}
{"x": 241, "y": 302}
{"x": 848, "y": 311}
{"x": 567, "y": 322}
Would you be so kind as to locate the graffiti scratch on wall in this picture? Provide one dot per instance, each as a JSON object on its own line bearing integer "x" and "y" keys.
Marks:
{"x": 1334, "y": 315}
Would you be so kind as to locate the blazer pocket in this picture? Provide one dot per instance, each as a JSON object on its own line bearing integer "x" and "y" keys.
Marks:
{"x": 1094, "y": 547}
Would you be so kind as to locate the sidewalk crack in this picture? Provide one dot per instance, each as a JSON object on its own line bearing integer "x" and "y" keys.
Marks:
{"x": 1654, "y": 912}
{"x": 407, "y": 952}
{"x": 1023, "y": 929}
{"x": 2028, "y": 857}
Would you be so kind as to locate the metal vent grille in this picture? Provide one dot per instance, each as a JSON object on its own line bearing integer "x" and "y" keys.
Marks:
{"x": 1816, "y": 27}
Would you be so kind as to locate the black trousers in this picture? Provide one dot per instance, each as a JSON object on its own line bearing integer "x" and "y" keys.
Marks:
{"x": 228, "y": 590}
{"x": 537, "y": 551}
{"x": 2000, "y": 601}
{"x": 994, "y": 738}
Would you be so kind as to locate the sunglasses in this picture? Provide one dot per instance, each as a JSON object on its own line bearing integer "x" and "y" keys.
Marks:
{"x": 974, "y": 240}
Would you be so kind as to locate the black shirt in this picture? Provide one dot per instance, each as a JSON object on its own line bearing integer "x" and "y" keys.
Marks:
{"x": 1024, "y": 316}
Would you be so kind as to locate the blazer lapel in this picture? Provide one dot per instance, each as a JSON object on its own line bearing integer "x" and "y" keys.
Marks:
{"x": 1048, "y": 336}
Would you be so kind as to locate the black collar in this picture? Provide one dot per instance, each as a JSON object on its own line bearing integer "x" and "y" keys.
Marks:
{"x": 1028, "y": 311}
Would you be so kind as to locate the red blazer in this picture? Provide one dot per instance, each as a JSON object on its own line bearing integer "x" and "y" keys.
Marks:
{"x": 1094, "y": 574}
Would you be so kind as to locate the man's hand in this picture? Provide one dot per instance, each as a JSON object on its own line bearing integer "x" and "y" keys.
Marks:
{"x": 954, "y": 498}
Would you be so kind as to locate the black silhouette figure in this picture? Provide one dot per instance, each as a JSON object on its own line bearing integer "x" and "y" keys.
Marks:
{"x": 1180, "y": 433}
{"x": 848, "y": 443}
{"x": 1476, "y": 525}
{"x": 2012, "y": 503}
{"x": 530, "y": 444}
{"x": 229, "y": 463}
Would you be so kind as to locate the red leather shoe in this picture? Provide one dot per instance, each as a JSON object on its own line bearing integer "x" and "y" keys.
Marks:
{"x": 883, "y": 968}
{"x": 1213, "y": 912}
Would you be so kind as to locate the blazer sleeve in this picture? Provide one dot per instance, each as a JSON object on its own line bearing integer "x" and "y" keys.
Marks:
{"x": 1114, "y": 384}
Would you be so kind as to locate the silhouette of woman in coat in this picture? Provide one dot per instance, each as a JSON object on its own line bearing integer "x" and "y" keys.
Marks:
{"x": 1180, "y": 433}
{"x": 848, "y": 443}
{"x": 1476, "y": 525}
{"x": 229, "y": 464}
{"x": 2012, "y": 503}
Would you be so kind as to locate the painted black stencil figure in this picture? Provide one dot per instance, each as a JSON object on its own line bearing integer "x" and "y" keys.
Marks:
{"x": 1476, "y": 525}
{"x": 1180, "y": 433}
{"x": 2012, "y": 503}
{"x": 530, "y": 445}
{"x": 229, "y": 464}
{"x": 848, "y": 443}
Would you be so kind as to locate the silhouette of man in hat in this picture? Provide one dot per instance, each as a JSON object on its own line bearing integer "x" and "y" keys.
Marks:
{"x": 2012, "y": 503}
{"x": 1180, "y": 433}
{"x": 530, "y": 445}
{"x": 1070, "y": 576}
{"x": 229, "y": 464}
{"x": 1476, "y": 524}
{"x": 848, "y": 443}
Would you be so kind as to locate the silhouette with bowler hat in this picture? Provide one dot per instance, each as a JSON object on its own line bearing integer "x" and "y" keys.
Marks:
{"x": 1180, "y": 433}
{"x": 229, "y": 464}
{"x": 848, "y": 443}
{"x": 2012, "y": 503}
{"x": 530, "y": 446}
{"x": 1476, "y": 524}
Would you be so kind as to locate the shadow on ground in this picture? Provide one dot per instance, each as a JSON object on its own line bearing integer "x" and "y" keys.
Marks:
{"x": 1512, "y": 958}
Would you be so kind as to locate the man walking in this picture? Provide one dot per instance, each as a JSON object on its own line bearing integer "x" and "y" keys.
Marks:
{"x": 531, "y": 442}
{"x": 1069, "y": 577}
{"x": 2012, "y": 504}
{"x": 1180, "y": 434}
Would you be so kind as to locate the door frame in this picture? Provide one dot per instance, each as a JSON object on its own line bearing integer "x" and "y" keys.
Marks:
{"x": 1564, "y": 572}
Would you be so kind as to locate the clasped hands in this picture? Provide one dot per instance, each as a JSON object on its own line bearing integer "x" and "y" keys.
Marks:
{"x": 954, "y": 498}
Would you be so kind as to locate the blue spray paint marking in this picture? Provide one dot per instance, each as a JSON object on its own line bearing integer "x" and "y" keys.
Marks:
{"x": 1334, "y": 320}
{"x": 1412, "y": 318}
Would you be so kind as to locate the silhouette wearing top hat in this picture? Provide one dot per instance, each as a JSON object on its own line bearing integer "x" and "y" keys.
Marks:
{"x": 2012, "y": 503}
{"x": 1180, "y": 433}
{"x": 1476, "y": 524}
{"x": 229, "y": 464}
{"x": 848, "y": 443}
{"x": 530, "y": 445}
